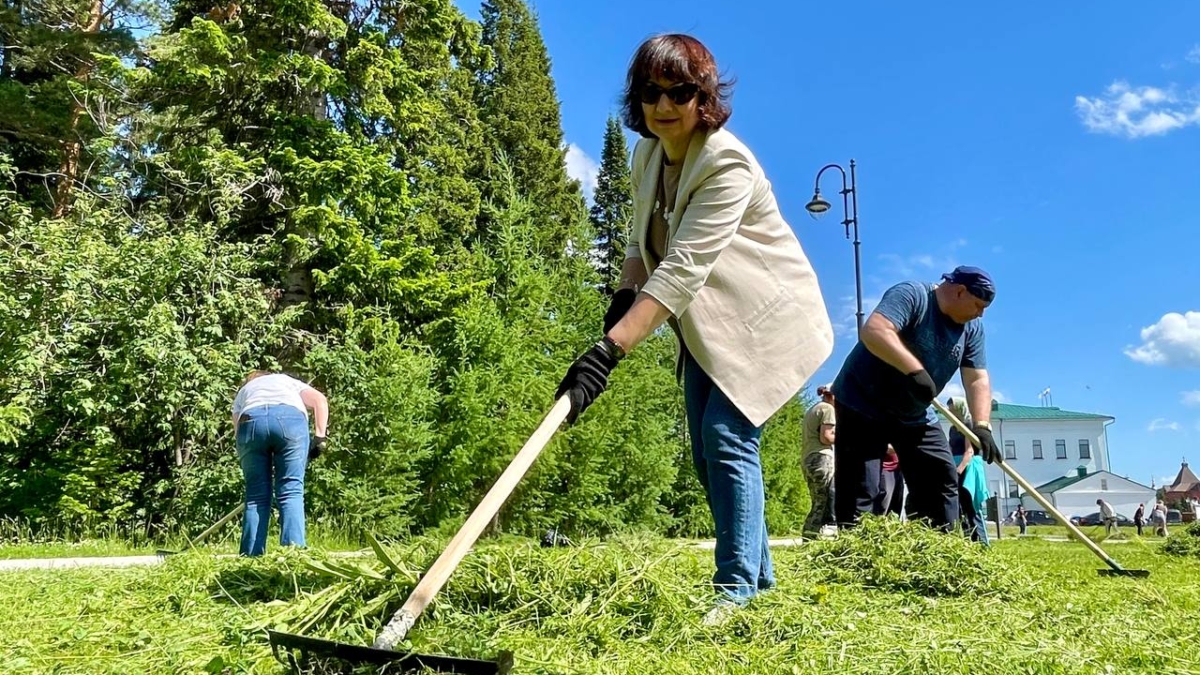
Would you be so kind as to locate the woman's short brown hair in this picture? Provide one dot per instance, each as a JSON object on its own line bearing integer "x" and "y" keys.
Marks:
{"x": 678, "y": 58}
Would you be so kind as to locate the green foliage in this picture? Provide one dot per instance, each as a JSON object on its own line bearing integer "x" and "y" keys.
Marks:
{"x": 383, "y": 427}
{"x": 120, "y": 340}
{"x": 783, "y": 475}
{"x": 519, "y": 107}
{"x": 371, "y": 197}
{"x": 1184, "y": 542}
{"x": 52, "y": 93}
{"x": 612, "y": 205}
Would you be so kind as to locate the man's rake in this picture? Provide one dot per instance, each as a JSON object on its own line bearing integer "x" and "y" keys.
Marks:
{"x": 1115, "y": 569}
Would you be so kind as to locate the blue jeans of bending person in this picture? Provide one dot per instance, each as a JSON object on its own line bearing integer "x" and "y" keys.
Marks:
{"x": 272, "y": 445}
{"x": 725, "y": 453}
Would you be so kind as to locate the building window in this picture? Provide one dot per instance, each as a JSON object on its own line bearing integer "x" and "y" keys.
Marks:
{"x": 1037, "y": 449}
{"x": 1085, "y": 451}
{"x": 1013, "y": 491}
{"x": 1104, "y": 485}
{"x": 1060, "y": 449}
{"x": 1010, "y": 449}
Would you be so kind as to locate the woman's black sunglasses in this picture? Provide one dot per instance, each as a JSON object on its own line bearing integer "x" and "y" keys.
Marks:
{"x": 679, "y": 94}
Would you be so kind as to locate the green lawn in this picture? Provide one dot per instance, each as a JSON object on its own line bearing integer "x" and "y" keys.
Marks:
{"x": 15, "y": 544}
{"x": 890, "y": 600}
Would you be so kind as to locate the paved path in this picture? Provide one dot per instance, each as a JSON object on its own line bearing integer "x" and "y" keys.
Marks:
{"x": 116, "y": 561}
{"x": 144, "y": 560}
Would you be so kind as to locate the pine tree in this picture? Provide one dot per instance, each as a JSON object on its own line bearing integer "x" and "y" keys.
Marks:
{"x": 55, "y": 100}
{"x": 612, "y": 205}
{"x": 519, "y": 107}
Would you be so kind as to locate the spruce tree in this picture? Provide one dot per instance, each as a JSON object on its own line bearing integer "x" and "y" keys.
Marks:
{"x": 519, "y": 107}
{"x": 55, "y": 99}
{"x": 612, "y": 205}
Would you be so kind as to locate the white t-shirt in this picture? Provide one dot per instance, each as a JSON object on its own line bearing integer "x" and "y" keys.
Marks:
{"x": 276, "y": 389}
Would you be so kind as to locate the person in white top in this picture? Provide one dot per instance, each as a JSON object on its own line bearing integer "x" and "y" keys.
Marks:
{"x": 1109, "y": 515}
{"x": 270, "y": 414}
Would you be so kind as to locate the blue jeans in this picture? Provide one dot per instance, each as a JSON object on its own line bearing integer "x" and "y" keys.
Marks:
{"x": 273, "y": 439}
{"x": 725, "y": 453}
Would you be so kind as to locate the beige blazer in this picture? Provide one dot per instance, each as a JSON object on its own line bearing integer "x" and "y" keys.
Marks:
{"x": 735, "y": 277}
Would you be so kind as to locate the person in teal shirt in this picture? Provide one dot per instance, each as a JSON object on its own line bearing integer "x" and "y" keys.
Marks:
{"x": 972, "y": 484}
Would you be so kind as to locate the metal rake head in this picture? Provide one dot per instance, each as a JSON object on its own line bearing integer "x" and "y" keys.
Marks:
{"x": 302, "y": 653}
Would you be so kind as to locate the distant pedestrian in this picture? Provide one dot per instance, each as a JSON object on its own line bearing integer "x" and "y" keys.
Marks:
{"x": 1109, "y": 516}
{"x": 270, "y": 415}
{"x": 1160, "y": 519}
{"x": 820, "y": 424}
{"x": 1139, "y": 518}
{"x": 1021, "y": 518}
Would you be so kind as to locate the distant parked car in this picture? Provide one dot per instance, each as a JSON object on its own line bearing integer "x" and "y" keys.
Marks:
{"x": 1040, "y": 518}
{"x": 1033, "y": 518}
{"x": 1174, "y": 516}
{"x": 1095, "y": 519}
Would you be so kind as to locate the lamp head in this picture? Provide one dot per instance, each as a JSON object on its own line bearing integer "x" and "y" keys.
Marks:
{"x": 817, "y": 206}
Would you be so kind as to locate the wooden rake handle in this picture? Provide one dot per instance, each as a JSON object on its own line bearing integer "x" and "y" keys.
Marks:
{"x": 217, "y": 525}
{"x": 1030, "y": 490}
{"x": 468, "y": 534}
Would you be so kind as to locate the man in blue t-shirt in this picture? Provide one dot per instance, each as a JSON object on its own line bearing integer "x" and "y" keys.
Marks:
{"x": 909, "y": 348}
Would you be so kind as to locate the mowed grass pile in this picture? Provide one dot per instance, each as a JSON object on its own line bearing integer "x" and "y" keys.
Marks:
{"x": 887, "y": 598}
{"x": 1185, "y": 542}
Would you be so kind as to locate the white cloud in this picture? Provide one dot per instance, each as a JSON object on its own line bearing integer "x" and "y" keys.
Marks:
{"x": 1193, "y": 56}
{"x": 952, "y": 389}
{"x": 910, "y": 267}
{"x": 935, "y": 264}
{"x": 1173, "y": 341}
{"x": 845, "y": 323}
{"x": 583, "y": 169}
{"x": 955, "y": 389}
{"x": 1160, "y": 424}
{"x": 1192, "y": 398}
{"x": 1135, "y": 112}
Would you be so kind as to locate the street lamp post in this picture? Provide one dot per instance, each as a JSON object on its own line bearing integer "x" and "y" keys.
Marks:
{"x": 818, "y": 206}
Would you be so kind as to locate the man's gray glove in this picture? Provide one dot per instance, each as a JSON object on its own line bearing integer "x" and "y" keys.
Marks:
{"x": 987, "y": 445}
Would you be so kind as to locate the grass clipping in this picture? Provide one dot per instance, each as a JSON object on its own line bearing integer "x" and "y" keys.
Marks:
{"x": 1184, "y": 543}
{"x": 890, "y": 555}
{"x": 640, "y": 587}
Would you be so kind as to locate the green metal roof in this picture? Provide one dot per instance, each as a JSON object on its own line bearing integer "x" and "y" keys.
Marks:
{"x": 1060, "y": 483}
{"x": 1011, "y": 411}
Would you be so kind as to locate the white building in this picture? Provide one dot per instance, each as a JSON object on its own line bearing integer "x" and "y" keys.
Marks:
{"x": 1076, "y": 495}
{"x": 1043, "y": 444}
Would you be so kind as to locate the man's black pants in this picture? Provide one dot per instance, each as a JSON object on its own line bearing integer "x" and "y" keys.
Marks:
{"x": 925, "y": 459}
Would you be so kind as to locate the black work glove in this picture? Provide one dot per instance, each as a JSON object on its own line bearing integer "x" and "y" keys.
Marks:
{"x": 315, "y": 447}
{"x": 987, "y": 445}
{"x": 622, "y": 300}
{"x": 587, "y": 378}
{"x": 553, "y": 538}
{"x": 922, "y": 386}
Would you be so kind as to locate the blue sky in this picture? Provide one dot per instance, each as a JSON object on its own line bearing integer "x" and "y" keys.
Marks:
{"x": 1053, "y": 144}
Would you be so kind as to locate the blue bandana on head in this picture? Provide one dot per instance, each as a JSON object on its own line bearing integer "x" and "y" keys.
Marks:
{"x": 978, "y": 282}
